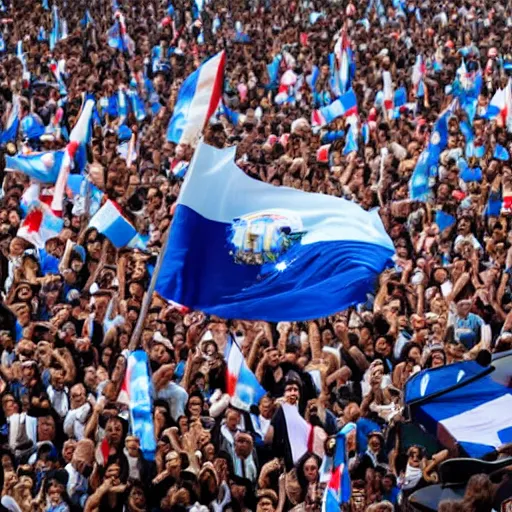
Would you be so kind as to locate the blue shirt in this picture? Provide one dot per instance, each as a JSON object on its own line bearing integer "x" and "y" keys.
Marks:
{"x": 467, "y": 330}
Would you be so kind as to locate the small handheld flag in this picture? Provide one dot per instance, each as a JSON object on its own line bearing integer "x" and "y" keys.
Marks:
{"x": 110, "y": 222}
{"x": 197, "y": 101}
{"x": 40, "y": 225}
{"x": 345, "y": 105}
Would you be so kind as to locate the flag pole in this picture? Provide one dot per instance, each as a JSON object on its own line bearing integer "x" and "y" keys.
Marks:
{"x": 146, "y": 302}
{"x": 134, "y": 340}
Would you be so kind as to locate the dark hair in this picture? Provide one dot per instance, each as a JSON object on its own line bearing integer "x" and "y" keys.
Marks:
{"x": 479, "y": 494}
{"x": 300, "y": 468}
{"x": 406, "y": 350}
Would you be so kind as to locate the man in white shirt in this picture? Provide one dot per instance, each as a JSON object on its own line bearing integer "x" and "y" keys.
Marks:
{"x": 76, "y": 418}
{"x": 58, "y": 393}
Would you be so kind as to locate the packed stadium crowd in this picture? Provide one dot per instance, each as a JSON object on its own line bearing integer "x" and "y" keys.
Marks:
{"x": 428, "y": 145}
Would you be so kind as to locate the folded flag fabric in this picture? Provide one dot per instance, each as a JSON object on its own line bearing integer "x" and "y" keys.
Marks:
{"x": 197, "y": 101}
{"x": 462, "y": 405}
{"x": 40, "y": 225}
{"x": 110, "y": 222}
{"x": 117, "y": 36}
{"x": 301, "y": 436}
{"x": 418, "y": 73}
{"x": 43, "y": 167}
{"x": 139, "y": 389}
{"x": 242, "y": 384}
{"x": 500, "y": 153}
{"x": 322, "y": 154}
{"x": 497, "y": 106}
{"x": 264, "y": 250}
{"x": 56, "y": 69}
{"x": 62, "y": 179}
{"x": 85, "y": 196}
{"x": 345, "y": 105}
{"x": 82, "y": 132}
{"x": 444, "y": 220}
{"x": 494, "y": 204}
{"x": 388, "y": 93}
{"x": 338, "y": 488}
{"x": 344, "y": 62}
{"x": 426, "y": 166}
{"x": 352, "y": 135}
{"x": 13, "y": 122}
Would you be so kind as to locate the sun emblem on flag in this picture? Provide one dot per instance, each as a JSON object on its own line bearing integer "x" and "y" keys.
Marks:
{"x": 262, "y": 237}
{"x": 436, "y": 138}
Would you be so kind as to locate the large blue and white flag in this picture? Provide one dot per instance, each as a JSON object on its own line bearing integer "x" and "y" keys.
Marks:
{"x": 462, "y": 404}
{"x": 264, "y": 252}
{"x": 198, "y": 100}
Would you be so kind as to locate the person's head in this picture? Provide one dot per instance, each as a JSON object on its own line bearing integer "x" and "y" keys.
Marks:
{"x": 243, "y": 444}
{"x": 308, "y": 468}
{"x": 195, "y": 405}
{"x": 463, "y": 308}
{"x": 384, "y": 346}
{"x": 266, "y": 407}
{"x": 479, "y": 493}
{"x": 136, "y": 497}
{"x": 114, "y": 431}
{"x": 383, "y": 506}
{"x": 414, "y": 456}
{"x": 267, "y": 501}
{"x": 78, "y": 396}
{"x": 132, "y": 445}
{"x": 28, "y": 370}
{"x": 159, "y": 353}
{"x": 411, "y": 351}
{"x": 375, "y": 442}
{"x": 292, "y": 392}
{"x": 46, "y": 428}
{"x": 388, "y": 482}
{"x": 272, "y": 355}
{"x": 58, "y": 379}
{"x": 232, "y": 419}
{"x": 10, "y": 405}
{"x": 183, "y": 424}
{"x": 68, "y": 449}
{"x": 90, "y": 378}
{"x": 173, "y": 464}
{"x": 452, "y": 506}
{"x": 436, "y": 359}
{"x": 238, "y": 487}
{"x": 112, "y": 472}
{"x": 56, "y": 492}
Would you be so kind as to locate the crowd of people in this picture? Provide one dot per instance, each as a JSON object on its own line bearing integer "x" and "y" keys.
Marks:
{"x": 69, "y": 309}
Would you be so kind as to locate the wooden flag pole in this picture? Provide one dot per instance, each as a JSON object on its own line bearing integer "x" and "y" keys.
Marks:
{"x": 146, "y": 302}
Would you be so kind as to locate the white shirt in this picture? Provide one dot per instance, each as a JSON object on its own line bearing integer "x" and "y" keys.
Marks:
{"x": 76, "y": 419}
{"x": 59, "y": 400}
{"x": 176, "y": 397}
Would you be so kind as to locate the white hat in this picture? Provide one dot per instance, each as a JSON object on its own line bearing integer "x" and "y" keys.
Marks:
{"x": 158, "y": 338}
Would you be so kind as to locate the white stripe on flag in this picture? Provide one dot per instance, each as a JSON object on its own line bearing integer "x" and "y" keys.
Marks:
{"x": 481, "y": 424}
{"x": 298, "y": 429}
{"x": 200, "y": 103}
